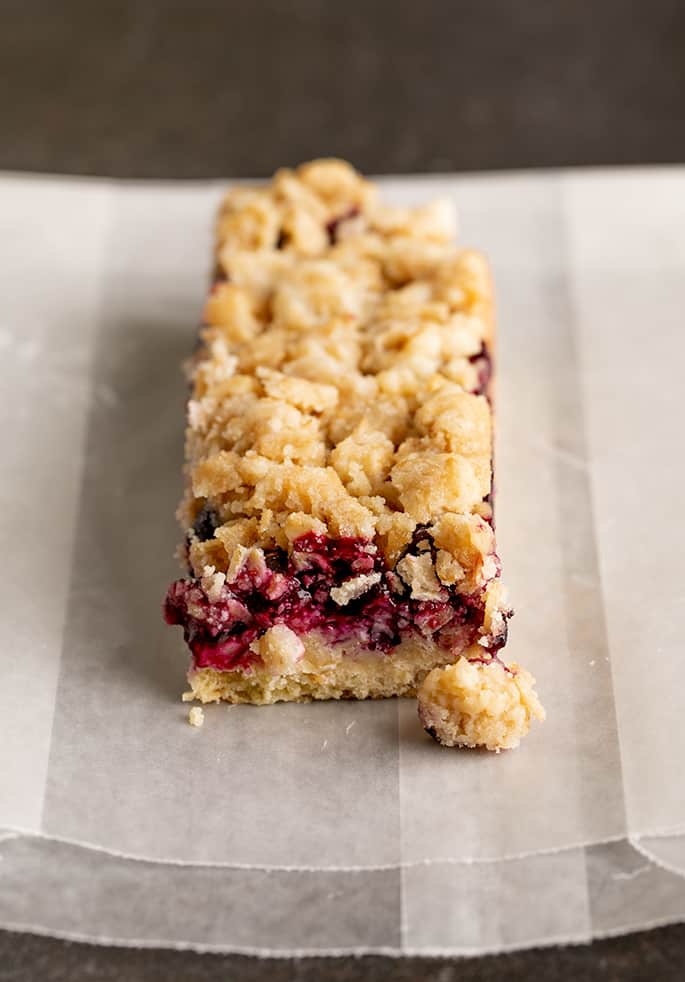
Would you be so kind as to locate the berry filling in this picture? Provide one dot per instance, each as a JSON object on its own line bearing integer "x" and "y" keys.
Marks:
{"x": 483, "y": 363}
{"x": 295, "y": 590}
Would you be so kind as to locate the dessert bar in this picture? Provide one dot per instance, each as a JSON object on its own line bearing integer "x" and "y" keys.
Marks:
{"x": 339, "y": 537}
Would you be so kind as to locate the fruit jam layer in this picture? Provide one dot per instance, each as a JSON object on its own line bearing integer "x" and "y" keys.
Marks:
{"x": 295, "y": 590}
{"x": 483, "y": 363}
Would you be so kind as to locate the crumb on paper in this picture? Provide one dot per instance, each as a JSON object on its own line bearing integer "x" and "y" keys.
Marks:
{"x": 474, "y": 704}
{"x": 349, "y": 726}
{"x": 187, "y": 696}
{"x": 196, "y": 716}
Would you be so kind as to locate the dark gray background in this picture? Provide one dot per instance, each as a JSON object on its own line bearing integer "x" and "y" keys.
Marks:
{"x": 215, "y": 89}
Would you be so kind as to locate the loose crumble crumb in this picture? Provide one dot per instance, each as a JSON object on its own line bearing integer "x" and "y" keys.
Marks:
{"x": 354, "y": 588}
{"x": 187, "y": 696}
{"x": 477, "y": 704}
{"x": 196, "y": 716}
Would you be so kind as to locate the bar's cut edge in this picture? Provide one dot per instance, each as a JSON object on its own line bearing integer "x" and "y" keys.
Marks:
{"x": 324, "y": 671}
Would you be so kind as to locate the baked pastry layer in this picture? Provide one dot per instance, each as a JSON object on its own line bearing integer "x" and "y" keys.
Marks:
{"x": 338, "y": 522}
{"x": 291, "y": 669}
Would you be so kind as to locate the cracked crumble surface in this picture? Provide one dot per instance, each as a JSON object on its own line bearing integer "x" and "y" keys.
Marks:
{"x": 334, "y": 391}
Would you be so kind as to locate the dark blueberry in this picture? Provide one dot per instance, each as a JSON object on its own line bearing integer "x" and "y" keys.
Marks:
{"x": 206, "y": 524}
{"x": 276, "y": 560}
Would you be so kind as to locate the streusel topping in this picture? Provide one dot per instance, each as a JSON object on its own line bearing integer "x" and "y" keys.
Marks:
{"x": 336, "y": 390}
{"x": 479, "y": 704}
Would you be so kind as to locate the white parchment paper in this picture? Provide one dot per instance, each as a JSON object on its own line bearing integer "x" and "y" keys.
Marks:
{"x": 341, "y": 827}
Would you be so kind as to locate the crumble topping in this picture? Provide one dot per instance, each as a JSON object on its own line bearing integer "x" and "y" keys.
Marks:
{"x": 337, "y": 387}
{"x": 354, "y": 588}
{"x": 280, "y": 649}
{"x": 418, "y": 573}
{"x": 212, "y": 583}
{"x": 478, "y": 704}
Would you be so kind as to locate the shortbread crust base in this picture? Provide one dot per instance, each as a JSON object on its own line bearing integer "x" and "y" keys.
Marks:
{"x": 328, "y": 671}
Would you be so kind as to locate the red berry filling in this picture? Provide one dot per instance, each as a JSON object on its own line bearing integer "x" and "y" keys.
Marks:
{"x": 483, "y": 364}
{"x": 295, "y": 590}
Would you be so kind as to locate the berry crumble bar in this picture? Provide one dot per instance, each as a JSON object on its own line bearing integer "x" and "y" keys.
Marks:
{"x": 339, "y": 529}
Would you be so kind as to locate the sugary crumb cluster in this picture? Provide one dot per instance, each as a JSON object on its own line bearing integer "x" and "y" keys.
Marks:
{"x": 476, "y": 704}
{"x": 336, "y": 391}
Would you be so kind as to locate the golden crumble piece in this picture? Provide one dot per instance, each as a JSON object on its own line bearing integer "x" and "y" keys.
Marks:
{"x": 215, "y": 370}
{"x": 266, "y": 426}
{"x": 268, "y": 350}
{"x": 464, "y": 282}
{"x": 303, "y": 231}
{"x": 394, "y": 532}
{"x": 456, "y": 421}
{"x": 239, "y": 532}
{"x": 292, "y": 194}
{"x": 430, "y": 484}
{"x": 315, "y": 292}
{"x": 306, "y": 395}
{"x": 284, "y": 487}
{"x": 336, "y": 182}
{"x": 476, "y": 704}
{"x": 231, "y": 309}
{"x": 497, "y": 610}
{"x": 418, "y": 573}
{"x": 363, "y": 460}
{"x": 353, "y": 588}
{"x": 257, "y": 273}
{"x": 218, "y": 475}
{"x": 299, "y": 523}
{"x": 408, "y": 258}
{"x": 388, "y": 414}
{"x": 466, "y": 547}
{"x": 253, "y": 225}
{"x": 202, "y": 554}
{"x": 280, "y": 649}
{"x": 434, "y": 220}
{"x": 212, "y": 583}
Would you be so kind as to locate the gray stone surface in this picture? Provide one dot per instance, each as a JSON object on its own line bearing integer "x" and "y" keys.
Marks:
{"x": 213, "y": 88}
{"x": 656, "y": 955}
